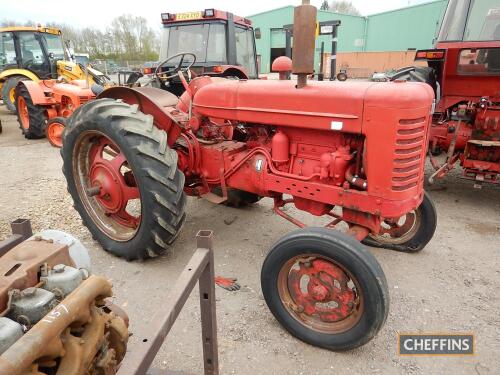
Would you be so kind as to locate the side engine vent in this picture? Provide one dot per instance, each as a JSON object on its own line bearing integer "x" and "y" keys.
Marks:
{"x": 408, "y": 153}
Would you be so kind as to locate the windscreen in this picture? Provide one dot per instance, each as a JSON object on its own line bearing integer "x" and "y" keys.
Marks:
{"x": 245, "y": 50}
{"x": 206, "y": 40}
{"x": 54, "y": 44}
{"x": 471, "y": 20}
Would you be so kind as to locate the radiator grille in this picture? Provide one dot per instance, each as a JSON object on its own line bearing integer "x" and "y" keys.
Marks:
{"x": 408, "y": 153}
{"x": 83, "y": 99}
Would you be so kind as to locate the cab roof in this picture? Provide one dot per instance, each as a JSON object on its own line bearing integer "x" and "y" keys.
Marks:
{"x": 40, "y": 29}
{"x": 213, "y": 14}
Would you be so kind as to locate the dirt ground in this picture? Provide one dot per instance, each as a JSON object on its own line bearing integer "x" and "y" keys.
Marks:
{"x": 451, "y": 286}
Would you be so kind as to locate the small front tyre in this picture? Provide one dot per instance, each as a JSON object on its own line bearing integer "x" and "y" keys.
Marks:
{"x": 325, "y": 288}
{"x": 409, "y": 233}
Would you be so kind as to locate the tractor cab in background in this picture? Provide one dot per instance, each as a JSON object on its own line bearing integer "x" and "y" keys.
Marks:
{"x": 464, "y": 71}
{"x": 209, "y": 42}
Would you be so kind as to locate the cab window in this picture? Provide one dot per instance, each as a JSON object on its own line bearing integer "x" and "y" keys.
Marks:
{"x": 32, "y": 56}
{"x": 480, "y": 61}
{"x": 7, "y": 50}
{"x": 55, "y": 46}
{"x": 245, "y": 51}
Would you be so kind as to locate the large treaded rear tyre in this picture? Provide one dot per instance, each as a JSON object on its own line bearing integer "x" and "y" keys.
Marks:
{"x": 155, "y": 174}
{"x": 8, "y": 88}
{"x": 32, "y": 118}
{"x": 301, "y": 299}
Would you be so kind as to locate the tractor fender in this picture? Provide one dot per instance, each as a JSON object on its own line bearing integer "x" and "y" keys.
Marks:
{"x": 37, "y": 92}
{"x": 156, "y": 102}
{"x": 18, "y": 72}
{"x": 234, "y": 71}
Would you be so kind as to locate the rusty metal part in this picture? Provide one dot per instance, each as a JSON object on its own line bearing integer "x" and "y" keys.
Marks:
{"x": 304, "y": 29}
{"x": 21, "y": 230}
{"x": 320, "y": 293}
{"x": 98, "y": 346}
{"x": 20, "y": 266}
{"x": 200, "y": 268}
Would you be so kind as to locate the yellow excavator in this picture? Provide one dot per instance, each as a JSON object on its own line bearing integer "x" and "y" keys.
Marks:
{"x": 38, "y": 53}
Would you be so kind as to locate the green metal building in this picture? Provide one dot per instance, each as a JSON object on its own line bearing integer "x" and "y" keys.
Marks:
{"x": 413, "y": 27}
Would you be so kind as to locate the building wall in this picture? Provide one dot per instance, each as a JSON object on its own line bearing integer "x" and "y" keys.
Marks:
{"x": 399, "y": 30}
{"x": 406, "y": 28}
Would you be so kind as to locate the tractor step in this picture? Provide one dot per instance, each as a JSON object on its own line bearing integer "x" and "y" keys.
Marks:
{"x": 214, "y": 198}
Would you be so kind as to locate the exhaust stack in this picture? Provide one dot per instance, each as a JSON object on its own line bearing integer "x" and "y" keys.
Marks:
{"x": 304, "y": 30}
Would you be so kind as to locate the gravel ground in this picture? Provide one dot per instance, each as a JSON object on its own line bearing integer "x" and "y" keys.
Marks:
{"x": 451, "y": 286}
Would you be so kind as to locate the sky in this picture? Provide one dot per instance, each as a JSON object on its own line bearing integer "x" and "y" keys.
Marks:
{"x": 99, "y": 13}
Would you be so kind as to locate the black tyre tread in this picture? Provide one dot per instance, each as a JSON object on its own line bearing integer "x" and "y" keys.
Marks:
{"x": 423, "y": 74}
{"x": 37, "y": 115}
{"x": 423, "y": 235}
{"x": 155, "y": 168}
{"x": 10, "y": 83}
{"x": 368, "y": 267}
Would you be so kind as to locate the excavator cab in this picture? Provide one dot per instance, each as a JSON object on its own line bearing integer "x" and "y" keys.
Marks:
{"x": 34, "y": 49}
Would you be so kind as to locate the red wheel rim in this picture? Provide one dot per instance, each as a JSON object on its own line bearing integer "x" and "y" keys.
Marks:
{"x": 399, "y": 230}
{"x": 320, "y": 293}
{"x": 24, "y": 116}
{"x": 54, "y": 133}
{"x": 106, "y": 186}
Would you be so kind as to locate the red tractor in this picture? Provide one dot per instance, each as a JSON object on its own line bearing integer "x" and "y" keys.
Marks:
{"x": 464, "y": 71}
{"x": 351, "y": 151}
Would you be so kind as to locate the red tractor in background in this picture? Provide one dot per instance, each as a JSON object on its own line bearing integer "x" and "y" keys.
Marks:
{"x": 352, "y": 152}
{"x": 464, "y": 71}
{"x": 219, "y": 44}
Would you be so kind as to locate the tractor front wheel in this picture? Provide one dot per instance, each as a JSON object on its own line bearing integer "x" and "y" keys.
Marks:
{"x": 9, "y": 92}
{"x": 123, "y": 178}
{"x": 409, "y": 233}
{"x": 32, "y": 118}
{"x": 325, "y": 288}
{"x": 54, "y": 131}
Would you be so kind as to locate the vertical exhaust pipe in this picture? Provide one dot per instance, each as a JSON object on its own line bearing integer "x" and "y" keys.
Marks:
{"x": 304, "y": 32}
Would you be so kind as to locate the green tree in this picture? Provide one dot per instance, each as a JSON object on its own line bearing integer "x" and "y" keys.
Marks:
{"x": 324, "y": 5}
{"x": 344, "y": 6}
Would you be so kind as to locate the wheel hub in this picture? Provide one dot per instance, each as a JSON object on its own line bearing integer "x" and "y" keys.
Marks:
{"x": 321, "y": 290}
{"x": 111, "y": 187}
{"x": 54, "y": 133}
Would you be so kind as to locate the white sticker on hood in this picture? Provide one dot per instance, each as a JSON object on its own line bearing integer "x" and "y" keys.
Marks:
{"x": 336, "y": 125}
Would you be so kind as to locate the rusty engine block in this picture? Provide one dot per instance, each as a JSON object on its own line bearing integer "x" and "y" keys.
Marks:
{"x": 55, "y": 318}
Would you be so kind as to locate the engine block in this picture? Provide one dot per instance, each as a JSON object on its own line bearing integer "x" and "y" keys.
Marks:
{"x": 55, "y": 317}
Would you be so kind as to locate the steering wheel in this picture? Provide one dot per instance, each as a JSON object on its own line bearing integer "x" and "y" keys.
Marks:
{"x": 178, "y": 68}
{"x": 28, "y": 63}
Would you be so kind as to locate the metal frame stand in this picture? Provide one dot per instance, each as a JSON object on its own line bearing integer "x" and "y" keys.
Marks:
{"x": 21, "y": 231}
{"x": 199, "y": 269}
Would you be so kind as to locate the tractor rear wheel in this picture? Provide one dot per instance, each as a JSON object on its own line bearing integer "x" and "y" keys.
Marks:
{"x": 123, "y": 178}
{"x": 325, "y": 288}
{"x": 409, "y": 233}
{"x": 9, "y": 92}
{"x": 32, "y": 118}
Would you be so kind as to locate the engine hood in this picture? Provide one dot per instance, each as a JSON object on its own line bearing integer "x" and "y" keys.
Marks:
{"x": 320, "y": 105}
